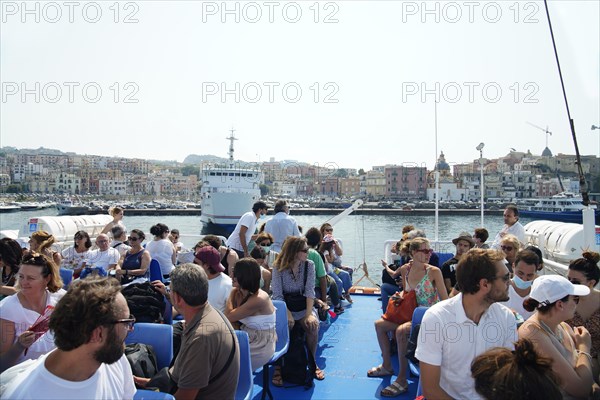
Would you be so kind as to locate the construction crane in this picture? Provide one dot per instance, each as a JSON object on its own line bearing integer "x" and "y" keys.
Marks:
{"x": 542, "y": 129}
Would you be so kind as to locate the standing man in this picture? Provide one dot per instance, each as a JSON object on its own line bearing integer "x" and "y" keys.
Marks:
{"x": 244, "y": 230}
{"x": 208, "y": 363}
{"x": 90, "y": 324}
{"x": 281, "y": 225}
{"x": 464, "y": 242}
{"x": 101, "y": 260}
{"x": 455, "y": 331}
{"x": 511, "y": 226}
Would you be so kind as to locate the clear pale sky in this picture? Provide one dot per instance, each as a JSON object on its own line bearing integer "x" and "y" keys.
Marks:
{"x": 367, "y": 72}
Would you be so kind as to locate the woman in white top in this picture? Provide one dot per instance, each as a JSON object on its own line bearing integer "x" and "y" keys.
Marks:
{"x": 40, "y": 286}
{"x": 161, "y": 249}
{"x": 75, "y": 256}
{"x": 117, "y": 213}
{"x": 252, "y": 308}
{"x": 554, "y": 300}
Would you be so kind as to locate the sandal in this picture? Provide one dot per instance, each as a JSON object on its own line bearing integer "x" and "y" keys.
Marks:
{"x": 379, "y": 371}
{"x": 393, "y": 390}
{"x": 348, "y": 298}
{"x": 277, "y": 380}
{"x": 338, "y": 310}
{"x": 319, "y": 374}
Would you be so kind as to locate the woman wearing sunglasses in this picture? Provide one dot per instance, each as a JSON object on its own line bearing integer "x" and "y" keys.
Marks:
{"x": 293, "y": 281}
{"x": 510, "y": 245}
{"x": 428, "y": 284}
{"x": 39, "y": 286}
{"x": 134, "y": 265}
{"x": 555, "y": 299}
{"x": 73, "y": 257}
{"x": 585, "y": 271}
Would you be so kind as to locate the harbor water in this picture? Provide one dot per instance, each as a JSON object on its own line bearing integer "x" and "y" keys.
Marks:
{"x": 363, "y": 236}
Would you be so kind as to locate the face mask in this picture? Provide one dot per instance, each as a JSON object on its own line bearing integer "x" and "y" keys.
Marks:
{"x": 262, "y": 216}
{"x": 521, "y": 284}
{"x": 266, "y": 248}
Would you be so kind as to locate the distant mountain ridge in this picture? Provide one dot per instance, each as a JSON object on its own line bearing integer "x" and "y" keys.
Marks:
{"x": 198, "y": 159}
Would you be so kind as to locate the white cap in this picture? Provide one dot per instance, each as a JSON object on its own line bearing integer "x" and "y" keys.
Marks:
{"x": 547, "y": 289}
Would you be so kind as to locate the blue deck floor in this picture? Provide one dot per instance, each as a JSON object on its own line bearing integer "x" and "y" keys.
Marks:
{"x": 347, "y": 349}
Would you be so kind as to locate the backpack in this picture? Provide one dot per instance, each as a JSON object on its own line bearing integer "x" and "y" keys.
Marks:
{"x": 142, "y": 359}
{"x": 145, "y": 303}
{"x": 298, "y": 363}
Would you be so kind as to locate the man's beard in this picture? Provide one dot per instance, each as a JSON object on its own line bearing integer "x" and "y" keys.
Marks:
{"x": 112, "y": 351}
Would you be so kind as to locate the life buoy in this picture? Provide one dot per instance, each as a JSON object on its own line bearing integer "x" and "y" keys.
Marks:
{"x": 365, "y": 290}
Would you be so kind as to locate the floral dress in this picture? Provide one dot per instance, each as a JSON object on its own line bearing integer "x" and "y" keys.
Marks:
{"x": 425, "y": 292}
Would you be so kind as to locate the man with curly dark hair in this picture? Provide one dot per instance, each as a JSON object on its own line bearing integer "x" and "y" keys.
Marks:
{"x": 90, "y": 324}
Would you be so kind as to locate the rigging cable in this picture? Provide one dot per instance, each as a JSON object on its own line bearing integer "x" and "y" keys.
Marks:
{"x": 582, "y": 183}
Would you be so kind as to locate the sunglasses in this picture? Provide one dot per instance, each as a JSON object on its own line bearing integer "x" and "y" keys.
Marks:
{"x": 129, "y": 321}
{"x": 264, "y": 244}
{"x": 328, "y": 229}
{"x": 34, "y": 259}
{"x": 507, "y": 248}
{"x": 133, "y": 239}
{"x": 575, "y": 281}
{"x": 424, "y": 251}
{"x": 575, "y": 299}
{"x": 304, "y": 250}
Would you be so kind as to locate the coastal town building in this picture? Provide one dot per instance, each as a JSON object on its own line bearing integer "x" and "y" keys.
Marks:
{"x": 517, "y": 175}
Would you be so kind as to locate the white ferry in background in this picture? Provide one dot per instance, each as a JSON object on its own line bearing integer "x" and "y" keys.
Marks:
{"x": 68, "y": 206}
{"x": 564, "y": 207}
{"x": 227, "y": 193}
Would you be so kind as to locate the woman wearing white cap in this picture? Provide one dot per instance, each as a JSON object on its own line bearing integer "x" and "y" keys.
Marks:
{"x": 554, "y": 299}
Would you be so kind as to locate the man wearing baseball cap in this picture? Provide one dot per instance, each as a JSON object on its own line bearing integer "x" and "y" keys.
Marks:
{"x": 464, "y": 242}
{"x": 555, "y": 299}
{"x": 219, "y": 284}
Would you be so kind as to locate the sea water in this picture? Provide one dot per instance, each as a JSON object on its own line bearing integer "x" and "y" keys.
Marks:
{"x": 363, "y": 236}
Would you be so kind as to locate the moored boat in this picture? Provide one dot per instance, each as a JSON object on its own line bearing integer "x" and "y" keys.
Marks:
{"x": 227, "y": 193}
{"x": 563, "y": 207}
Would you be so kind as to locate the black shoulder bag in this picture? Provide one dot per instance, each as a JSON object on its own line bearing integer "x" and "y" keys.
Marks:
{"x": 296, "y": 301}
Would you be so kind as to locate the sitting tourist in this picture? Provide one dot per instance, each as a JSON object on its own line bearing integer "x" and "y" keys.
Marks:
{"x": 510, "y": 246}
{"x": 10, "y": 258}
{"x": 252, "y": 308}
{"x": 174, "y": 238}
{"x": 228, "y": 256}
{"x": 463, "y": 243}
{"x": 455, "y": 331}
{"x": 526, "y": 267}
{"x": 219, "y": 283}
{"x": 101, "y": 260}
{"x": 522, "y": 374}
{"x": 480, "y": 236}
{"x": 555, "y": 299}
{"x": 341, "y": 277}
{"x": 258, "y": 254}
{"x": 41, "y": 242}
{"x": 135, "y": 266}
{"x": 390, "y": 277}
{"x": 39, "y": 287}
{"x": 119, "y": 235}
{"x": 162, "y": 250}
{"x": 428, "y": 284}
{"x": 73, "y": 257}
{"x": 327, "y": 229}
{"x": 324, "y": 284}
{"x": 290, "y": 268}
{"x": 265, "y": 240}
{"x": 585, "y": 271}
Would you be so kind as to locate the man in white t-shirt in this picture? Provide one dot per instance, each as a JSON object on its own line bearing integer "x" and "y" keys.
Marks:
{"x": 455, "y": 331}
{"x": 89, "y": 362}
{"x": 527, "y": 264}
{"x": 101, "y": 260}
{"x": 244, "y": 230}
{"x": 219, "y": 284}
{"x": 512, "y": 226}
{"x": 281, "y": 225}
